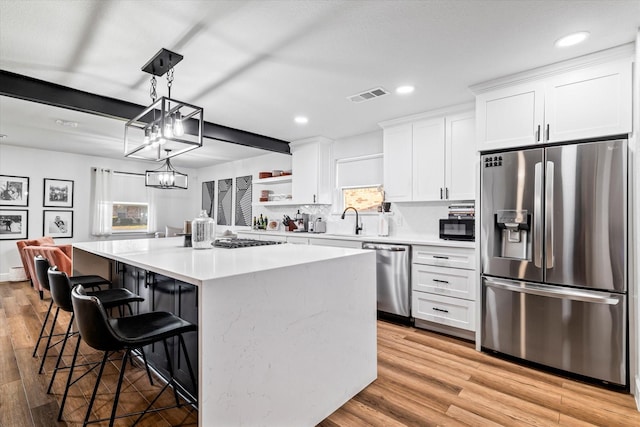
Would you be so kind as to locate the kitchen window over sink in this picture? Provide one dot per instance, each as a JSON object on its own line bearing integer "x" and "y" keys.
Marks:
{"x": 358, "y": 183}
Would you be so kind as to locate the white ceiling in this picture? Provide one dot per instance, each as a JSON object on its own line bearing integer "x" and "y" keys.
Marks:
{"x": 254, "y": 65}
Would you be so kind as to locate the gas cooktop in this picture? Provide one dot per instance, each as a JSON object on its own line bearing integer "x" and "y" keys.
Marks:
{"x": 242, "y": 243}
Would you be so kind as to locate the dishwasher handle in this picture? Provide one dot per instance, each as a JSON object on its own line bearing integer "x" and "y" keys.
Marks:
{"x": 382, "y": 247}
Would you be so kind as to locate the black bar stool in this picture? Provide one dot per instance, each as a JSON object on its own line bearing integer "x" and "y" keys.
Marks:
{"x": 127, "y": 333}
{"x": 41, "y": 265}
{"x": 60, "y": 287}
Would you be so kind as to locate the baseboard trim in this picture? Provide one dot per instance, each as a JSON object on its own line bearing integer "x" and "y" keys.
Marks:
{"x": 4, "y": 277}
{"x": 637, "y": 392}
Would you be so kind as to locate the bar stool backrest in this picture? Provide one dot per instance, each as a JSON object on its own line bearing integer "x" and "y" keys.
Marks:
{"x": 42, "y": 265}
{"x": 93, "y": 322}
{"x": 60, "y": 288}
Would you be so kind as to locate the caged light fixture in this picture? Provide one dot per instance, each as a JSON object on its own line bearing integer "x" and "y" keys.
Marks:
{"x": 166, "y": 177}
{"x": 167, "y": 127}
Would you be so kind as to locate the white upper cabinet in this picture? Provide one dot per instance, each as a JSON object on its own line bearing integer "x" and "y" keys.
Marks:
{"x": 510, "y": 117}
{"x": 589, "y": 102}
{"x": 311, "y": 171}
{"x": 430, "y": 157}
{"x": 397, "y": 169}
{"x": 460, "y": 182}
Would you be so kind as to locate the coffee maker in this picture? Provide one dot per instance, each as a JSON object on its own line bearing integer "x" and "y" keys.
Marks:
{"x": 301, "y": 221}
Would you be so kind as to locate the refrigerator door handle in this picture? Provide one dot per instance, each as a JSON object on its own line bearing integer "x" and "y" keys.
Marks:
{"x": 537, "y": 216}
{"x": 548, "y": 223}
{"x": 554, "y": 291}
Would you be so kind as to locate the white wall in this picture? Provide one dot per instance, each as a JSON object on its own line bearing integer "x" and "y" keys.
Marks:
{"x": 408, "y": 219}
{"x": 251, "y": 166}
{"x": 173, "y": 205}
{"x": 634, "y": 243}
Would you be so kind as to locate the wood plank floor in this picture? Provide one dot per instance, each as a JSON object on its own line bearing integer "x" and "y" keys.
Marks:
{"x": 424, "y": 379}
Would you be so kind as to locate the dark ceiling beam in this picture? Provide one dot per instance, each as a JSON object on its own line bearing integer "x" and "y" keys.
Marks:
{"x": 40, "y": 91}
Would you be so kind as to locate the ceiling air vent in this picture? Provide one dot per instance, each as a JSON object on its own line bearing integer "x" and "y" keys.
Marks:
{"x": 367, "y": 95}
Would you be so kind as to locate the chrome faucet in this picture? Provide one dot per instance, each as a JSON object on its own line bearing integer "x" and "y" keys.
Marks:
{"x": 358, "y": 227}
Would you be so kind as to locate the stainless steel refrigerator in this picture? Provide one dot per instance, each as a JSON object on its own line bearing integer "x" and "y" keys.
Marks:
{"x": 554, "y": 257}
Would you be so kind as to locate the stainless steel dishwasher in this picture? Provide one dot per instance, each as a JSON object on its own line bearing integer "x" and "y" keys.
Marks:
{"x": 393, "y": 270}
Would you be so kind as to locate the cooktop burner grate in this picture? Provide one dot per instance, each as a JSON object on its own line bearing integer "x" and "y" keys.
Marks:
{"x": 242, "y": 243}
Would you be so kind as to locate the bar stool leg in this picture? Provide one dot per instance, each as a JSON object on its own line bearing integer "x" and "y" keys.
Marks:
{"x": 119, "y": 387}
{"x": 66, "y": 388}
{"x": 95, "y": 389}
{"x": 46, "y": 349}
{"x": 64, "y": 344}
{"x": 170, "y": 367}
{"x": 44, "y": 324}
{"x": 186, "y": 357}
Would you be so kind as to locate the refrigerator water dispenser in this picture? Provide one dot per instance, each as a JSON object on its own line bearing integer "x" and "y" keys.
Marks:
{"x": 514, "y": 235}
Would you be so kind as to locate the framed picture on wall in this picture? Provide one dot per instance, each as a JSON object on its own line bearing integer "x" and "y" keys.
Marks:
{"x": 58, "y": 193}
{"x": 208, "y": 194}
{"x": 14, "y": 224}
{"x": 14, "y": 190}
{"x": 57, "y": 223}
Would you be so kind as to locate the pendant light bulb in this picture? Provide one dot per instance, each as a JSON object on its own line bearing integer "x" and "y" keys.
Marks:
{"x": 168, "y": 128}
{"x": 178, "y": 126}
{"x": 147, "y": 136}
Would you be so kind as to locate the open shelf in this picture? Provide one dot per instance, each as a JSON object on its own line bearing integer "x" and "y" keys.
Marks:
{"x": 274, "y": 180}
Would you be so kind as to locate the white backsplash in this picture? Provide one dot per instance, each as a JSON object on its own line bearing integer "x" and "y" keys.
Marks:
{"x": 405, "y": 220}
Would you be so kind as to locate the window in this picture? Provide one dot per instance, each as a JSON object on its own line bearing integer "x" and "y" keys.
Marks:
{"x": 131, "y": 204}
{"x": 358, "y": 181}
{"x": 364, "y": 199}
{"x": 130, "y": 217}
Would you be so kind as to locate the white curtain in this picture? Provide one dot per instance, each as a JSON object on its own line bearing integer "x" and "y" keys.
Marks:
{"x": 102, "y": 203}
{"x": 152, "y": 220}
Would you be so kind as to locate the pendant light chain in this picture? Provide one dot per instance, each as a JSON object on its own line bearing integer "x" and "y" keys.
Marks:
{"x": 152, "y": 91}
{"x": 169, "y": 80}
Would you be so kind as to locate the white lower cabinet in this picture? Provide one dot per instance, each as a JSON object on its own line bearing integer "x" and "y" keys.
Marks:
{"x": 451, "y": 282}
{"x": 354, "y": 244}
{"x": 444, "y": 288}
{"x": 297, "y": 240}
{"x": 448, "y": 311}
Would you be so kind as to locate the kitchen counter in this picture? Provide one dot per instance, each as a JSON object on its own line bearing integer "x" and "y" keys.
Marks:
{"x": 286, "y": 333}
{"x": 407, "y": 240}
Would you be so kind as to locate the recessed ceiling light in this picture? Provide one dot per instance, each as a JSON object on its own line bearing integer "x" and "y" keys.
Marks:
{"x": 572, "y": 39}
{"x": 67, "y": 123}
{"x": 403, "y": 90}
{"x": 2, "y": 136}
{"x": 301, "y": 120}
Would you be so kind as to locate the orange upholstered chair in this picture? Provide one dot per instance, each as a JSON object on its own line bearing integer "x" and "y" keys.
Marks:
{"x": 58, "y": 255}
{"x": 31, "y": 242}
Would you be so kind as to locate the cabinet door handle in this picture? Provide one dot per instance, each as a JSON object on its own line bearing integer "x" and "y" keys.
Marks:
{"x": 314, "y": 198}
{"x": 441, "y": 257}
{"x": 547, "y": 131}
{"x": 440, "y": 309}
{"x": 440, "y": 193}
{"x": 446, "y": 192}
{"x": 440, "y": 281}
{"x": 538, "y": 134}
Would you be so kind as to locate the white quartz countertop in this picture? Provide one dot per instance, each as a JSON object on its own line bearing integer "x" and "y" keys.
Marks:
{"x": 407, "y": 240}
{"x": 169, "y": 257}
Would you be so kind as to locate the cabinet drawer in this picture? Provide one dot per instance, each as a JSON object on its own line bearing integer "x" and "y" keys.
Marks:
{"x": 444, "y": 256}
{"x": 354, "y": 244}
{"x": 448, "y": 311}
{"x": 453, "y": 282}
{"x": 297, "y": 240}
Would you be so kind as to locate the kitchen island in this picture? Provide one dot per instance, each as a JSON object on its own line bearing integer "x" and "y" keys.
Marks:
{"x": 286, "y": 334}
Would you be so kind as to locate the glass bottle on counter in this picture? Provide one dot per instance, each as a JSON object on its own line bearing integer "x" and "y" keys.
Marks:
{"x": 203, "y": 230}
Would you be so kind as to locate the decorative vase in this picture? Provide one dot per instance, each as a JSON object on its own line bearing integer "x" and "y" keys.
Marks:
{"x": 202, "y": 231}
